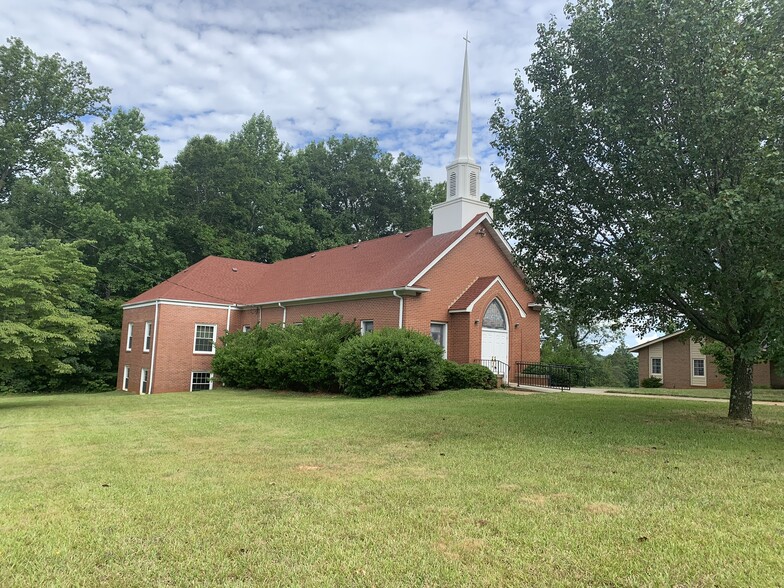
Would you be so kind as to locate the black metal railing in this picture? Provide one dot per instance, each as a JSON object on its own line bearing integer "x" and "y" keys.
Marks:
{"x": 549, "y": 375}
{"x": 498, "y": 367}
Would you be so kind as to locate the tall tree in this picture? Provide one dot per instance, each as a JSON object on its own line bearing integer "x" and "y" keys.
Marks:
{"x": 123, "y": 204}
{"x": 43, "y": 328}
{"x": 43, "y": 100}
{"x": 234, "y": 196}
{"x": 644, "y": 169}
{"x": 355, "y": 191}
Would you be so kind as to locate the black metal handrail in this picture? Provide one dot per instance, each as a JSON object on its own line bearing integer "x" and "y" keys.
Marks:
{"x": 549, "y": 375}
{"x": 497, "y": 366}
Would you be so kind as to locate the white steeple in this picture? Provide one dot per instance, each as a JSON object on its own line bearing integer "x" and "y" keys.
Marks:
{"x": 462, "y": 175}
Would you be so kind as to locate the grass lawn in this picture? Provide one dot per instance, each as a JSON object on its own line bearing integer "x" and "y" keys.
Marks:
{"x": 759, "y": 393}
{"x": 455, "y": 489}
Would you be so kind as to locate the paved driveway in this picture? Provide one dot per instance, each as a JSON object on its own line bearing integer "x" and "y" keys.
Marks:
{"x": 514, "y": 389}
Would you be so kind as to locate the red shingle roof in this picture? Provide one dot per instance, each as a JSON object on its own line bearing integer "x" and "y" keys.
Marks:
{"x": 381, "y": 264}
{"x": 473, "y": 292}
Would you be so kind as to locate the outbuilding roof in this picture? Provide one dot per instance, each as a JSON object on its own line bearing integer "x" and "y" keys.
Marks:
{"x": 383, "y": 264}
{"x": 657, "y": 340}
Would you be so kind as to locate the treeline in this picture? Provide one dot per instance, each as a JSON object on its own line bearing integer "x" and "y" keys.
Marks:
{"x": 574, "y": 336}
{"x": 136, "y": 222}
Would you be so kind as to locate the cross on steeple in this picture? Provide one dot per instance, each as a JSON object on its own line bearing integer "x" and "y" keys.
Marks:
{"x": 466, "y": 39}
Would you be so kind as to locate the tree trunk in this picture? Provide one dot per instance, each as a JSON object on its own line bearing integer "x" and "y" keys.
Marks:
{"x": 740, "y": 393}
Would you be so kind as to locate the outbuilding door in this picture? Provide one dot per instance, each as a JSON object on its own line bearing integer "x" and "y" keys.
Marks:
{"x": 495, "y": 338}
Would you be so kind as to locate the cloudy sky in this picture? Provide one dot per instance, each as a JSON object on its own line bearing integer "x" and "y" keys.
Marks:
{"x": 318, "y": 68}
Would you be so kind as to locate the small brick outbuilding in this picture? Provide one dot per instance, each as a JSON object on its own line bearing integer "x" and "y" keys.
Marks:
{"x": 679, "y": 362}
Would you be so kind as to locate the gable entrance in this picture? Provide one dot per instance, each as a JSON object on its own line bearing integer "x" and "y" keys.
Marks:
{"x": 495, "y": 338}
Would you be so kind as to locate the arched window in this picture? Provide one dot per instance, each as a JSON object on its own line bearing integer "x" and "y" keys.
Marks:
{"x": 494, "y": 316}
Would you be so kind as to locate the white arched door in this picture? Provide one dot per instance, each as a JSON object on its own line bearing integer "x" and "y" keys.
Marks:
{"x": 495, "y": 338}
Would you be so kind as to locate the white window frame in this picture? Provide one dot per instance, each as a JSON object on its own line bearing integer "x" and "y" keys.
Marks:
{"x": 129, "y": 337}
{"x": 363, "y": 326}
{"x": 661, "y": 367}
{"x": 147, "y": 336}
{"x": 144, "y": 381}
{"x": 214, "y": 338}
{"x": 126, "y": 377}
{"x": 445, "y": 335}
{"x": 694, "y": 366}
{"x": 210, "y": 380}
{"x": 245, "y": 329}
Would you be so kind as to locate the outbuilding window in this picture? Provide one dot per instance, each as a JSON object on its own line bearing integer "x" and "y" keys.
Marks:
{"x": 656, "y": 366}
{"x": 698, "y": 367}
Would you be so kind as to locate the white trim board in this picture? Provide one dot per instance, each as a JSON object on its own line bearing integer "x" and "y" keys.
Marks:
{"x": 497, "y": 280}
{"x": 466, "y": 232}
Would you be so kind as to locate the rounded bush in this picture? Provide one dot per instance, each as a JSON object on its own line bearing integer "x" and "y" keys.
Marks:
{"x": 651, "y": 382}
{"x": 459, "y": 376}
{"x": 389, "y": 361}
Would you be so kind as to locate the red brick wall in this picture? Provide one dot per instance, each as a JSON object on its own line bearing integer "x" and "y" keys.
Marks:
{"x": 383, "y": 312}
{"x": 136, "y": 358}
{"x": 174, "y": 356}
{"x": 474, "y": 257}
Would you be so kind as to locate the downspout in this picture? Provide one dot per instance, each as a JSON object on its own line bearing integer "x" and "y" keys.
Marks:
{"x": 228, "y": 319}
{"x": 280, "y": 304}
{"x": 152, "y": 352}
{"x": 400, "y": 317}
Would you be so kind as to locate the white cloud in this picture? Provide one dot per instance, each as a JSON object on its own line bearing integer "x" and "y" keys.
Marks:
{"x": 390, "y": 70}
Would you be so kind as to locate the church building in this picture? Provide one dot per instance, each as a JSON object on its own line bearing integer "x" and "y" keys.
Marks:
{"x": 456, "y": 281}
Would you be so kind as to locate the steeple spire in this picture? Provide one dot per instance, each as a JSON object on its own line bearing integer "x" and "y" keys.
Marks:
{"x": 462, "y": 175}
{"x": 464, "y": 150}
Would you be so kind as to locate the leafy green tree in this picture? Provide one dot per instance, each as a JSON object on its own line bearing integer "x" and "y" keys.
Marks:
{"x": 43, "y": 328}
{"x": 354, "y": 191}
{"x": 123, "y": 204}
{"x": 234, "y": 199}
{"x": 644, "y": 169}
{"x": 43, "y": 101}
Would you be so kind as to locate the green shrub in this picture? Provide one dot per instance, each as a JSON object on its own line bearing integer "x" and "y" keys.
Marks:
{"x": 459, "y": 376}
{"x": 389, "y": 361}
{"x": 302, "y": 357}
{"x": 236, "y": 361}
{"x": 651, "y": 382}
{"x": 297, "y": 357}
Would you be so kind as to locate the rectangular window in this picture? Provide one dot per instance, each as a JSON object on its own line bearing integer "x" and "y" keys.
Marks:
{"x": 201, "y": 381}
{"x": 365, "y": 327}
{"x": 438, "y": 334}
{"x": 204, "y": 341}
{"x": 129, "y": 340}
{"x": 143, "y": 384}
{"x": 698, "y": 367}
{"x": 656, "y": 366}
{"x": 126, "y": 377}
{"x": 245, "y": 328}
{"x": 147, "y": 335}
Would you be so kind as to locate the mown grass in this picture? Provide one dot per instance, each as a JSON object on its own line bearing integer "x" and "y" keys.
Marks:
{"x": 759, "y": 393}
{"x": 454, "y": 489}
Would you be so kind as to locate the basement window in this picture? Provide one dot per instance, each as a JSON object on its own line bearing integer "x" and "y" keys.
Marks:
{"x": 365, "y": 327}
{"x": 201, "y": 381}
{"x": 126, "y": 377}
{"x": 143, "y": 384}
